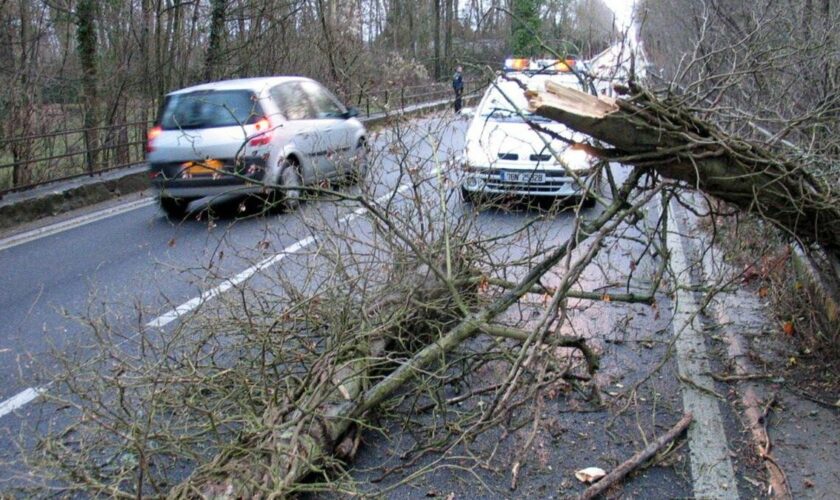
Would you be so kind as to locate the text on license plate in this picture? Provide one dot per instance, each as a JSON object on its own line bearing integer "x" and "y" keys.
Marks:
{"x": 202, "y": 167}
{"x": 524, "y": 177}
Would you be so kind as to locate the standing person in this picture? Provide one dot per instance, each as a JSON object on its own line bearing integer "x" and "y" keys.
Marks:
{"x": 458, "y": 87}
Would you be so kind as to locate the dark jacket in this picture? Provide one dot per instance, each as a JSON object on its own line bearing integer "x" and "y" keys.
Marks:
{"x": 458, "y": 81}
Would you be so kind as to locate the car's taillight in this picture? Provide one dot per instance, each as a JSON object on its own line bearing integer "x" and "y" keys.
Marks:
{"x": 150, "y": 136}
{"x": 263, "y": 136}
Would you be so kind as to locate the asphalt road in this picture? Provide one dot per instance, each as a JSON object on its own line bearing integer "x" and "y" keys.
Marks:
{"x": 135, "y": 268}
{"x": 139, "y": 260}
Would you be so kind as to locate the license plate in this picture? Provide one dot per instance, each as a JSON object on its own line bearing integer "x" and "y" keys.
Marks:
{"x": 203, "y": 167}
{"x": 523, "y": 177}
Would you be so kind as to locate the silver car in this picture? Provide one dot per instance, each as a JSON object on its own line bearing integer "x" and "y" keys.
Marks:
{"x": 256, "y": 135}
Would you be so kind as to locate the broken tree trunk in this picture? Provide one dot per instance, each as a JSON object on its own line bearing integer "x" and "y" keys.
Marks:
{"x": 647, "y": 131}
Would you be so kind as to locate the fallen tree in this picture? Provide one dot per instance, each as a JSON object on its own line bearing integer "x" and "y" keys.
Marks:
{"x": 265, "y": 387}
{"x": 645, "y": 130}
{"x": 298, "y": 443}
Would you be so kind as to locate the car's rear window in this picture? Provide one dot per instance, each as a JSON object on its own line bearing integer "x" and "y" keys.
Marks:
{"x": 208, "y": 109}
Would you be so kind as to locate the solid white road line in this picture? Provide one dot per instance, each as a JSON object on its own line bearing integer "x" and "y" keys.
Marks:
{"x": 711, "y": 467}
{"x": 19, "y": 400}
{"x": 41, "y": 232}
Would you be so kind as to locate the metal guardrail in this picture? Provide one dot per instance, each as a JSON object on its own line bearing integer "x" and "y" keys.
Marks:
{"x": 34, "y": 160}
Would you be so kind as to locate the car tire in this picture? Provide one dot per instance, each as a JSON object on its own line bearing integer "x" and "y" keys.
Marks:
{"x": 291, "y": 180}
{"x": 174, "y": 208}
{"x": 589, "y": 201}
{"x": 467, "y": 196}
{"x": 359, "y": 162}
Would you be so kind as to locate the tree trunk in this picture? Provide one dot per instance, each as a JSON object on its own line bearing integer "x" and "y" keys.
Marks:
{"x": 145, "y": 53}
{"x": 646, "y": 131}
{"x": 20, "y": 102}
{"x": 437, "y": 40}
{"x": 447, "y": 41}
{"x": 86, "y": 39}
{"x": 326, "y": 29}
{"x": 159, "y": 55}
{"x": 213, "y": 58}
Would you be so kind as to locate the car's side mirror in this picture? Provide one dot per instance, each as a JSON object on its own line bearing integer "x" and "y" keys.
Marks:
{"x": 468, "y": 112}
{"x": 351, "y": 113}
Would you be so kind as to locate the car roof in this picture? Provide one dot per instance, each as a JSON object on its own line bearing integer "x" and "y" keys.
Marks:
{"x": 255, "y": 84}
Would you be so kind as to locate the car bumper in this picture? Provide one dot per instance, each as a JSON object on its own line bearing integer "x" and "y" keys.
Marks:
{"x": 174, "y": 179}
{"x": 491, "y": 181}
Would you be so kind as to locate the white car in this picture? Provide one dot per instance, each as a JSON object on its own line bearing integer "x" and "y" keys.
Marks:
{"x": 250, "y": 136}
{"x": 505, "y": 156}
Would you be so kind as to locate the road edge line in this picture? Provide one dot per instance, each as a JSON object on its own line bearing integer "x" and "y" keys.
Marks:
{"x": 65, "y": 225}
{"x": 712, "y": 473}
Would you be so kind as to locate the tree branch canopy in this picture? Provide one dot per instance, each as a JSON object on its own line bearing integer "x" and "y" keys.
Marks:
{"x": 649, "y": 131}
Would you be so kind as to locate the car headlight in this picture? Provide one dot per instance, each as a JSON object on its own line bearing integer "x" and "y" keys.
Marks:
{"x": 577, "y": 159}
{"x": 476, "y": 156}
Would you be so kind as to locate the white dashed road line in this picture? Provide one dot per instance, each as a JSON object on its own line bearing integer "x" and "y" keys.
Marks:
{"x": 21, "y": 399}
{"x": 711, "y": 467}
{"x": 227, "y": 284}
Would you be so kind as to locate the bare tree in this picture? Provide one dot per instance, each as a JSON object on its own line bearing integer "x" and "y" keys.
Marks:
{"x": 214, "y": 46}
{"x": 87, "y": 42}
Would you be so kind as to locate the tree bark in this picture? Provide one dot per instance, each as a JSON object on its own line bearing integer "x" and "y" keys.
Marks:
{"x": 145, "y": 42}
{"x": 214, "y": 46}
{"x": 647, "y": 131}
{"x": 638, "y": 459}
{"x": 86, "y": 38}
{"x": 20, "y": 103}
{"x": 437, "y": 40}
{"x": 447, "y": 40}
{"x": 326, "y": 30}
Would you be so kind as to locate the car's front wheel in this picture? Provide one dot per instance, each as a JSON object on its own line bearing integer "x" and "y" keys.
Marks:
{"x": 174, "y": 208}
{"x": 359, "y": 161}
{"x": 468, "y": 196}
{"x": 292, "y": 183}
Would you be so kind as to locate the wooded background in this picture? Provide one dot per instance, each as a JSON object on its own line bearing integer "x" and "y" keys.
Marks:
{"x": 82, "y": 63}
{"x": 767, "y": 63}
